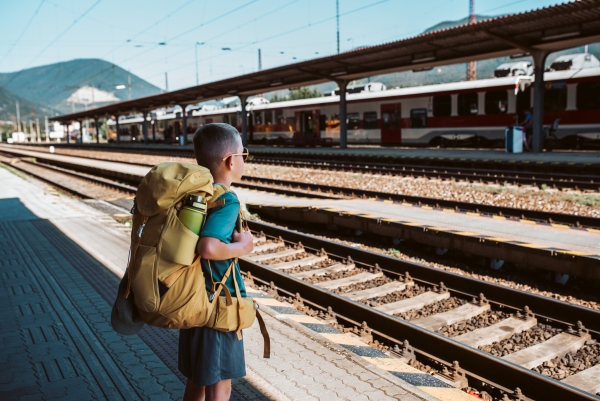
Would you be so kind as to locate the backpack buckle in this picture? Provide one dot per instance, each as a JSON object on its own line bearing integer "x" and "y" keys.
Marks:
{"x": 141, "y": 229}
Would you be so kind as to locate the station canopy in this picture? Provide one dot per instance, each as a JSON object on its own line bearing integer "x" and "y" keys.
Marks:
{"x": 550, "y": 29}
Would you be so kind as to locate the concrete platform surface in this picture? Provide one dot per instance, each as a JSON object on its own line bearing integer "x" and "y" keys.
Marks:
{"x": 59, "y": 343}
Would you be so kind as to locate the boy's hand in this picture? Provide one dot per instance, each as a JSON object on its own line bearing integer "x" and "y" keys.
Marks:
{"x": 244, "y": 239}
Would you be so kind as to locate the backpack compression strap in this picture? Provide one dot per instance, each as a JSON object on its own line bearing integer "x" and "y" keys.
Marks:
{"x": 132, "y": 251}
{"x": 261, "y": 322}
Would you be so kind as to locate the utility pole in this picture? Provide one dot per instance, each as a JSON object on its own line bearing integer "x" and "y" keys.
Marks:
{"x": 472, "y": 69}
{"x": 46, "y": 126}
{"x": 129, "y": 83}
{"x": 337, "y": 18}
{"x": 166, "y": 82}
{"x": 18, "y": 118}
{"x": 259, "y": 61}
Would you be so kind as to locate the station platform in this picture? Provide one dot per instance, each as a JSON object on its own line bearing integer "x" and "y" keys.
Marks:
{"x": 553, "y": 247}
{"x": 60, "y": 264}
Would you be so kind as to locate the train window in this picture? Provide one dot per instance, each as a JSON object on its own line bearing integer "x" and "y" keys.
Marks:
{"x": 370, "y": 120}
{"x": 418, "y": 118}
{"x": 467, "y": 104}
{"x": 588, "y": 96}
{"x": 333, "y": 123}
{"x": 279, "y": 116}
{"x": 555, "y": 99}
{"x": 269, "y": 117}
{"x": 385, "y": 120}
{"x": 234, "y": 120}
{"x": 396, "y": 119}
{"x": 496, "y": 102}
{"x": 353, "y": 120}
{"x": 442, "y": 106}
{"x": 257, "y": 118}
{"x": 226, "y": 119}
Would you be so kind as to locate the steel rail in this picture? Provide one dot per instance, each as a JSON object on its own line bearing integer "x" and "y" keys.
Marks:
{"x": 515, "y": 213}
{"x": 177, "y": 151}
{"x": 562, "y": 181}
{"x": 478, "y": 363}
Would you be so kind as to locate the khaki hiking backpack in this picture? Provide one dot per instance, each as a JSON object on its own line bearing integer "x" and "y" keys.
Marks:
{"x": 164, "y": 272}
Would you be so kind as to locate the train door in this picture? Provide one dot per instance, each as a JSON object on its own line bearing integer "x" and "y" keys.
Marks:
{"x": 176, "y": 131}
{"x": 307, "y": 122}
{"x": 391, "y": 132}
{"x": 523, "y": 103}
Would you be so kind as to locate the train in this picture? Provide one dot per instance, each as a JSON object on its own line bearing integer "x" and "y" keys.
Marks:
{"x": 466, "y": 113}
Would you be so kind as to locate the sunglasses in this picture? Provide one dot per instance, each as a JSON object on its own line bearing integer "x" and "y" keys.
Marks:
{"x": 245, "y": 154}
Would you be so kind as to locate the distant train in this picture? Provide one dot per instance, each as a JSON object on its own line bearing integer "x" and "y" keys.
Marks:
{"x": 467, "y": 113}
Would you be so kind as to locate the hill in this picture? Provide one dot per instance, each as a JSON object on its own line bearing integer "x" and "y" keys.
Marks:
{"x": 8, "y": 107}
{"x": 52, "y": 84}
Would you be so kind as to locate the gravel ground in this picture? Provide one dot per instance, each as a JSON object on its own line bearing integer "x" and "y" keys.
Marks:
{"x": 290, "y": 258}
{"x": 478, "y": 322}
{"x": 409, "y": 292}
{"x": 364, "y": 286}
{"x": 428, "y": 310}
{"x": 528, "y": 338}
{"x": 319, "y": 265}
{"x": 80, "y": 185}
{"x": 584, "y": 358}
{"x": 577, "y": 291}
{"x": 333, "y": 276}
{"x": 525, "y": 198}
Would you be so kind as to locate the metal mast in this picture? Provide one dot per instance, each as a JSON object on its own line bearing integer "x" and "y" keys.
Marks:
{"x": 472, "y": 69}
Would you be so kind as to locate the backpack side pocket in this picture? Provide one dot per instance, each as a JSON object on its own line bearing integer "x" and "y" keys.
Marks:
{"x": 177, "y": 246}
{"x": 143, "y": 278}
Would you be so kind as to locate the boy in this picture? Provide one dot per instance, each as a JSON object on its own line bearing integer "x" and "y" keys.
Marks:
{"x": 210, "y": 358}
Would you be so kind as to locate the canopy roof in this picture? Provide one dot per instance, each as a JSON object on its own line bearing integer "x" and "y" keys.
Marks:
{"x": 551, "y": 28}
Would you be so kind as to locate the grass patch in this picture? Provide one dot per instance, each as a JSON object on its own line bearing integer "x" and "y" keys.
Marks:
{"x": 582, "y": 199}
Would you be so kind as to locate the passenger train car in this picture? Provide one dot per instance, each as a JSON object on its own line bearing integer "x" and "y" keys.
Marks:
{"x": 459, "y": 113}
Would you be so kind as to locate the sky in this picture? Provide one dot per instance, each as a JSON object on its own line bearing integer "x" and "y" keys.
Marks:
{"x": 152, "y": 37}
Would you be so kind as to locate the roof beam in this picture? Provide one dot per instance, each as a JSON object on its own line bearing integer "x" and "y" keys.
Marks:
{"x": 510, "y": 42}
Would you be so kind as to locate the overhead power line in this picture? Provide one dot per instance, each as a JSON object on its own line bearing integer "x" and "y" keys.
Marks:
{"x": 286, "y": 32}
{"x": 60, "y": 35}
{"x": 22, "y": 33}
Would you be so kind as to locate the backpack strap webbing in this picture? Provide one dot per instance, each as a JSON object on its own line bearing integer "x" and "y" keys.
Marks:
{"x": 261, "y": 322}
{"x": 216, "y": 203}
{"x": 132, "y": 251}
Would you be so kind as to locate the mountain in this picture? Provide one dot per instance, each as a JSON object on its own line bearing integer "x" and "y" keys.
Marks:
{"x": 8, "y": 107}
{"x": 51, "y": 85}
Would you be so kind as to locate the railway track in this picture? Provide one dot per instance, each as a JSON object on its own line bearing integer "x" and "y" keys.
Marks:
{"x": 479, "y": 175}
{"x": 401, "y": 301}
{"x": 294, "y": 188}
{"x": 560, "y": 171}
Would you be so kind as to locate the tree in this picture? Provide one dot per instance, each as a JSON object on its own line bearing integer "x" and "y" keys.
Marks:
{"x": 301, "y": 93}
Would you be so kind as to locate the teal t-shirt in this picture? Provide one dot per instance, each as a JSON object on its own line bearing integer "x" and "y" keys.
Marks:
{"x": 220, "y": 223}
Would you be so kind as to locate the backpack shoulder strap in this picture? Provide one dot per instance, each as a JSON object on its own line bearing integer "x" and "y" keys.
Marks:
{"x": 218, "y": 190}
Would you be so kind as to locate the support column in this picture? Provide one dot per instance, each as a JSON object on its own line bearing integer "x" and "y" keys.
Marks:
{"x": 183, "y": 136}
{"x": 244, "y": 117}
{"x": 145, "y": 127}
{"x": 80, "y": 131}
{"x": 343, "y": 119}
{"x": 97, "y": 129}
{"x": 153, "y": 131}
{"x": 68, "y": 135}
{"x": 117, "y": 127}
{"x": 539, "y": 61}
